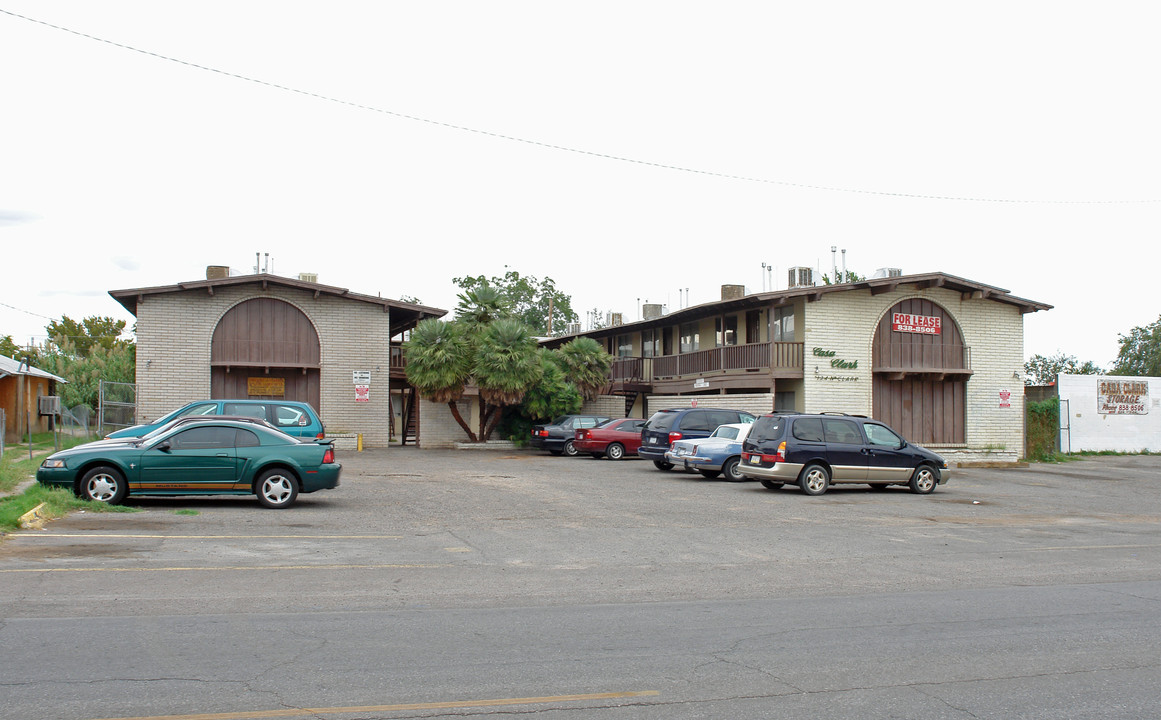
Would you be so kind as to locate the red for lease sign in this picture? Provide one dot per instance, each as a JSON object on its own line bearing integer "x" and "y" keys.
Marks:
{"x": 923, "y": 324}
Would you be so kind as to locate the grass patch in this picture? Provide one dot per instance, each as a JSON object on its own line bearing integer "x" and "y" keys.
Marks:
{"x": 16, "y": 466}
{"x": 185, "y": 512}
{"x": 58, "y": 503}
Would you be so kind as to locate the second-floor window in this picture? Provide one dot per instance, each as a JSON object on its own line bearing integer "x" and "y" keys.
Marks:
{"x": 650, "y": 342}
{"x": 624, "y": 346}
{"x": 782, "y": 325}
{"x": 726, "y": 330}
{"x": 690, "y": 338}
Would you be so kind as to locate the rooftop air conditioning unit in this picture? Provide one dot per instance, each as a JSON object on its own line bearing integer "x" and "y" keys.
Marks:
{"x": 800, "y": 277}
{"x": 888, "y": 272}
{"x": 308, "y": 277}
{"x": 573, "y": 329}
{"x": 614, "y": 319}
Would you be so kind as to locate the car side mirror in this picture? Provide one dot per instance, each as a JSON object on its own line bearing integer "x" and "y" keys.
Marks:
{"x": 163, "y": 446}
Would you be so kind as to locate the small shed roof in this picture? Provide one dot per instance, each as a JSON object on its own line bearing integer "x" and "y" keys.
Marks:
{"x": 8, "y": 366}
{"x": 404, "y": 316}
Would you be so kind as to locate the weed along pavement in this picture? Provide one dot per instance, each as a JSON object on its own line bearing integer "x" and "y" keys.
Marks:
{"x": 482, "y": 582}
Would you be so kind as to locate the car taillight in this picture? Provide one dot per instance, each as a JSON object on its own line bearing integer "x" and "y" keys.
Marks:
{"x": 320, "y": 436}
{"x": 329, "y": 456}
{"x": 674, "y": 437}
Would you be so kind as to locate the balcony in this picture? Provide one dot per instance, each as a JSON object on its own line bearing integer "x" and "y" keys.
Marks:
{"x": 755, "y": 364}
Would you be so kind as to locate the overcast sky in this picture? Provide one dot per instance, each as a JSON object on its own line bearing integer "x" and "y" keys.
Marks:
{"x": 628, "y": 150}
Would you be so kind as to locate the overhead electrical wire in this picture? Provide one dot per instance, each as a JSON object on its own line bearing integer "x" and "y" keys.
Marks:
{"x": 565, "y": 148}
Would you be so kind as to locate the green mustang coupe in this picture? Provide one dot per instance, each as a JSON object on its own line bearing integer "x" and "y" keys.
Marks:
{"x": 214, "y": 457}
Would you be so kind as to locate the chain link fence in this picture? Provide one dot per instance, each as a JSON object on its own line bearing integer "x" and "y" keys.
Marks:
{"x": 116, "y": 406}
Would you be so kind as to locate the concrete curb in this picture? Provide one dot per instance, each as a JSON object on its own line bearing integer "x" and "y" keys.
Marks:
{"x": 992, "y": 464}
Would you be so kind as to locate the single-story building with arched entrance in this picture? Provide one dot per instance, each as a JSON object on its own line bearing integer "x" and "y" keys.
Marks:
{"x": 270, "y": 337}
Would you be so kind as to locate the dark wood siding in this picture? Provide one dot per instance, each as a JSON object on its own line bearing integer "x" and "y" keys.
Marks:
{"x": 924, "y": 411}
{"x": 266, "y": 338}
{"x": 920, "y": 381}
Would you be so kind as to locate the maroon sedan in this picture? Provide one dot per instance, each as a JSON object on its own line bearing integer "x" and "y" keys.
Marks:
{"x": 612, "y": 439}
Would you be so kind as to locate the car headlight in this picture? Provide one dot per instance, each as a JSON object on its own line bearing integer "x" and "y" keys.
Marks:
{"x": 50, "y": 463}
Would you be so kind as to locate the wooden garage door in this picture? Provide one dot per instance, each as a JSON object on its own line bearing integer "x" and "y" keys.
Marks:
{"x": 265, "y": 349}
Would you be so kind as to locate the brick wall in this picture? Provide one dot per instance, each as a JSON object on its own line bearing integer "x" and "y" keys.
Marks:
{"x": 845, "y": 322}
{"x": 438, "y": 427}
{"x": 612, "y": 406}
{"x": 174, "y": 332}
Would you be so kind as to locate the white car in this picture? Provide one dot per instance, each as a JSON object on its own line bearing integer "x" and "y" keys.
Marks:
{"x": 715, "y": 455}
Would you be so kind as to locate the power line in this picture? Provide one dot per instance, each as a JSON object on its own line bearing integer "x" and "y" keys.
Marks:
{"x": 565, "y": 148}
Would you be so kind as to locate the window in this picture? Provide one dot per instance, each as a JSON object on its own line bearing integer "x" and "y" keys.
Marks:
{"x": 808, "y": 429}
{"x": 697, "y": 420}
{"x": 245, "y": 409}
{"x": 650, "y": 343}
{"x": 782, "y": 325}
{"x": 726, "y": 330}
{"x": 204, "y": 409}
{"x": 286, "y": 416}
{"x": 690, "y": 337}
{"x": 203, "y": 438}
{"x": 624, "y": 346}
{"x": 882, "y": 435}
{"x": 245, "y": 438}
{"x": 584, "y": 422}
{"x": 842, "y": 431}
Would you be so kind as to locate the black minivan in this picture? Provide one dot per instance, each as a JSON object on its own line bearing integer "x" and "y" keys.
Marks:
{"x": 669, "y": 426}
{"x": 814, "y": 451}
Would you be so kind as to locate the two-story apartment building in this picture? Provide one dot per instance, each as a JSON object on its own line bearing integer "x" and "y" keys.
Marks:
{"x": 936, "y": 356}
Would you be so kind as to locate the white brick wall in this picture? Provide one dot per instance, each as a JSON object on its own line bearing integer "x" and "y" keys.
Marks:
{"x": 174, "y": 332}
{"x": 756, "y": 403}
{"x": 612, "y": 406}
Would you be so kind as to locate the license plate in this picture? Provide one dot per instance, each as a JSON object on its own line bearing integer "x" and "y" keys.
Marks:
{"x": 755, "y": 460}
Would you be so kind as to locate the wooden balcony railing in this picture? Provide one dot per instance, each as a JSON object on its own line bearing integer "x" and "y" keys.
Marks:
{"x": 754, "y": 356}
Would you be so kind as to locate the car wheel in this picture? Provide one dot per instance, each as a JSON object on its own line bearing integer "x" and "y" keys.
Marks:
{"x": 570, "y": 449}
{"x": 662, "y": 465}
{"x": 615, "y": 451}
{"x": 814, "y": 479}
{"x": 710, "y": 474}
{"x": 730, "y": 470}
{"x": 276, "y": 489}
{"x": 770, "y": 484}
{"x": 104, "y": 484}
{"x": 923, "y": 481}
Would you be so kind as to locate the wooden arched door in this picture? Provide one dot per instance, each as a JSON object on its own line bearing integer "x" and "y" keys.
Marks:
{"x": 921, "y": 367}
{"x": 265, "y": 348}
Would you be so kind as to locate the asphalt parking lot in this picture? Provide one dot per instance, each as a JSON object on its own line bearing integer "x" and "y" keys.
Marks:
{"x": 411, "y": 528}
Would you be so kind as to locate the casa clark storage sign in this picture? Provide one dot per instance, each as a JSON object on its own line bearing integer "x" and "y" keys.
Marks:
{"x": 1123, "y": 397}
{"x": 922, "y": 324}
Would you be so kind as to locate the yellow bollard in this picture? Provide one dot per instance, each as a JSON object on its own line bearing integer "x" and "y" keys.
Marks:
{"x": 359, "y": 442}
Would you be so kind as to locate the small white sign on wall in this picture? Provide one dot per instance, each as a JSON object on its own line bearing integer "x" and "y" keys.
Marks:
{"x": 361, "y": 377}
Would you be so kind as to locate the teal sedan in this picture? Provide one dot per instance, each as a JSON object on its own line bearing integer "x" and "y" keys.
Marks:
{"x": 215, "y": 457}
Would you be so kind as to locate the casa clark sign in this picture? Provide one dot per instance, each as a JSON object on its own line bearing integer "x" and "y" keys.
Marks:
{"x": 1123, "y": 397}
{"x": 922, "y": 324}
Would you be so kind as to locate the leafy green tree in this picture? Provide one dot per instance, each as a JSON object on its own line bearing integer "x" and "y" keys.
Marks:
{"x": 91, "y": 332}
{"x": 844, "y": 276}
{"x": 84, "y": 373}
{"x": 1041, "y": 370}
{"x": 9, "y": 348}
{"x": 530, "y": 300}
{"x": 1140, "y": 352}
{"x": 553, "y": 395}
{"x": 439, "y": 359}
{"x": 587, "y": 365}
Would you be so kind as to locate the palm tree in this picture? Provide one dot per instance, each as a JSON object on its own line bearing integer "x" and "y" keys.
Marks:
{"x": 439, "y": 363}
{"x": 481, "y": 306}
{"x": 506, "y": 366}
{"x": 587, "y": 365}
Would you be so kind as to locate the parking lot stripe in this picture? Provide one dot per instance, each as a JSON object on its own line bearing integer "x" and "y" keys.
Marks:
{"x": 385, "y": 566}
{"x": 302, "y": 712}
{"x": 208, "y": 537}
